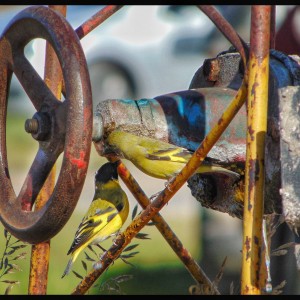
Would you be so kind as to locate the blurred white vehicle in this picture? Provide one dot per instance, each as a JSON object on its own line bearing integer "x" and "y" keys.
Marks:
{"x": 142, "y": 51}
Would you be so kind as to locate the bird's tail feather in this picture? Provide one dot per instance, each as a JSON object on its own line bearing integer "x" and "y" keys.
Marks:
{"x": 217, "y": 169}
{"x": 68, "y": 268}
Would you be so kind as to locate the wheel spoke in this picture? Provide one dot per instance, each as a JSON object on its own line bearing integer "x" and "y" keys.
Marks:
{"x": 28, "y": 77}
{"x": 36, "y": 177}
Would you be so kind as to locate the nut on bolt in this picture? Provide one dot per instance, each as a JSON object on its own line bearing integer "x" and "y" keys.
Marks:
{"x": 31, "y": 126}
{"x": 39, "y": 126}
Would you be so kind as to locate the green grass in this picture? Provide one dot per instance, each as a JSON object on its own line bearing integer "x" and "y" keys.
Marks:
{"x": 155, "y": 260}
{"x": 160, "y": 279}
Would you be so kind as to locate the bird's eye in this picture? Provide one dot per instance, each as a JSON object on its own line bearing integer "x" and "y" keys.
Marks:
{"x": 120, "y": 206}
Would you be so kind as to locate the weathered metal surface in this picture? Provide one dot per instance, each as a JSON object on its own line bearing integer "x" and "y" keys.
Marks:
{"x": 71, "y": 125}
{"x": 273, "y": 27}
{"x": 290, "y": 155}
{"x": 96, "y": 20}
{"x": 230, "y": 72}
{"x": 182, "y": 118}
{"x": 253, "y": 280}
{"x": 290, "y": 161}
{"x": 284, "y": 71}
{"x": 227, "y": 30}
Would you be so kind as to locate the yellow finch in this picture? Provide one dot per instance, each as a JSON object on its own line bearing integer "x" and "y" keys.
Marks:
{"x": 156, "y": 158}
{"x": 106, "y": 214}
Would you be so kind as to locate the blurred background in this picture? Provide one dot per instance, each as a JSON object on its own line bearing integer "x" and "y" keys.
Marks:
{"x": 142, "y": 51}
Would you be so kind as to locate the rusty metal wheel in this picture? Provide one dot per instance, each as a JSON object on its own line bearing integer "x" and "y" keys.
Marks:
{"x": 58, "y": 126}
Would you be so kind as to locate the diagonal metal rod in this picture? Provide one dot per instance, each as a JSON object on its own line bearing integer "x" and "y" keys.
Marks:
{"x": 171, "y": 238}
{"x": 227, "y": 30}
{"x": 98, "y": 18}
{"x": 183, "y": 254}
{"x": 94, "y": 21}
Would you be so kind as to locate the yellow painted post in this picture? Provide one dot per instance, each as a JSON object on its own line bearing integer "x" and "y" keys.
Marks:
{"x": 257, "y": 107}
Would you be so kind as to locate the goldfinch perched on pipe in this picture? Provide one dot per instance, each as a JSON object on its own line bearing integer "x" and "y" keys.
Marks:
{"x": 154, "y": 157}
{"x": 106, "y": 214}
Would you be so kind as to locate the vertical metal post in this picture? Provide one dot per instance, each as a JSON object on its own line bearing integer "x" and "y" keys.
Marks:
{"x": 273, "y": 27}
{"x": 257, "y": 107}
{"x": 40, "y": 253}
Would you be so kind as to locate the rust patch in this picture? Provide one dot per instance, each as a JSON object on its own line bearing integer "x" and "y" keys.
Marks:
{"x": 26, "y": 206}
{"x": 220, "y": 121}
{"x": 254, "y": 86}
{"x": 248, "y": 247}
{"x": 185, "y": 256}
{"x": 27, "y": 196}
{"x": 211, "y": 69}
{"x": 96, "y": 20}
{"x": 254, "y": 171}
{"x": 251, "y": 132}
{"x": 249, "y": 206}
{"x": 260, "y": 31}
{"x": 122, "y": 171}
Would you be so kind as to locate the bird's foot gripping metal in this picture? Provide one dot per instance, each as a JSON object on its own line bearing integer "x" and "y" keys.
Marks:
{"x": 60, "y": 126}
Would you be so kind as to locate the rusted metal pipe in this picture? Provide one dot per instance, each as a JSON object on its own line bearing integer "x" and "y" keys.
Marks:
{"x": 227, "y": 30}
{"x": 181, "y": 118}
{"x": 273, "y": 27}
{"x": 255, "y": 165}
{"x": 96, "y": 20}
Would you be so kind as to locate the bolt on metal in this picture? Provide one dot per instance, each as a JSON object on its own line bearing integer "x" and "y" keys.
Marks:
{"x": 31, "y": 126}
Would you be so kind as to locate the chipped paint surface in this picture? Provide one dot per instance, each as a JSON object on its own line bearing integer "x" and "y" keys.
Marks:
{"x": 182, "y": 118}
{"x": 257, "y": 108}
{"x": 79, "y": 162}
{"x": 290, "y": 155}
